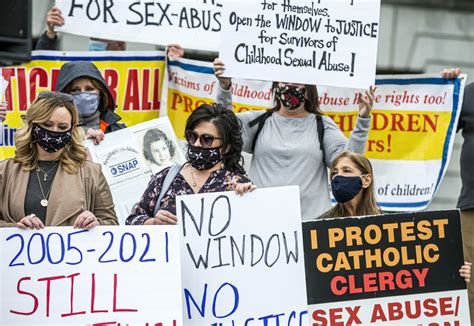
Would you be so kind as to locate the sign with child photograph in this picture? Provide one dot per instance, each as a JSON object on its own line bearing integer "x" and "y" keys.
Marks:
{"x": 399, "y": 269}
{"x": 131, "y": 156}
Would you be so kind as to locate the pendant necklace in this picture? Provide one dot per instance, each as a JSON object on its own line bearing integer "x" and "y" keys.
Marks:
{"x": 44, "y": 201}
{"x": 46, "y": 174}
{"x": 194, "y": 180}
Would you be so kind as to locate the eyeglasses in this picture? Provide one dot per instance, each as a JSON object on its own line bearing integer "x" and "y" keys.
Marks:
{"x": 63, "y": 96}
{"x": 205, "y": 140}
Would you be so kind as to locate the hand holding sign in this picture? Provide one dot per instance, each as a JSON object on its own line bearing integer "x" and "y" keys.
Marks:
{"x": 54, "y": 18}
{"x": 219, "y": 68}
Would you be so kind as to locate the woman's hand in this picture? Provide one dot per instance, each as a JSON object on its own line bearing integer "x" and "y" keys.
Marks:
{"x": 86, "y": 220}
{"x": 367, "y": 102}
{"x": 451, "y": 73}
{"x": 96, "y": 135}
{"x": 219, "y": 68}
{"x": 162, "y": 217}
{"x": 30, "y": 221}
{"x": 54, "y": 18}
{"x": 3, "y": 110}
{"x": 465, "y": 271}
{"x": 174, "y": 51}
{"x": 242, "y": 188}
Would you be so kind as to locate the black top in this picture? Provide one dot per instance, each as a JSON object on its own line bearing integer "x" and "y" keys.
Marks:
{"x": 466, "y": 123}
{"x": 33, "y": 191}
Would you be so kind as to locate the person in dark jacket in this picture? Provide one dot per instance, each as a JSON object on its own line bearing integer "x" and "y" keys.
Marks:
{"x": 92, "y": 97}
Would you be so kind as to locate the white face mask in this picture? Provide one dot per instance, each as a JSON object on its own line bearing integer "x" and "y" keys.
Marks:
{"x": 87, "y": 103}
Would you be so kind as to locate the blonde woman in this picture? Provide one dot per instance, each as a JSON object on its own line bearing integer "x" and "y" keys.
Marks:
{"x": 352, "y": 185}
{"x": 49, "y": 182}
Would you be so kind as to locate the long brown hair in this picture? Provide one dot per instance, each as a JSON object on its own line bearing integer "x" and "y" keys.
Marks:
{"x": 368, "y": 204}
{"x": 311, "y": 104}
{"x": 74, "y": 154}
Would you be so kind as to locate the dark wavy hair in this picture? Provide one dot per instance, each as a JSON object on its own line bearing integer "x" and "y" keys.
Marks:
{"x": 311, "y": 104}
{"x": 229, "y": 128}
{"x": 154, "y": 135}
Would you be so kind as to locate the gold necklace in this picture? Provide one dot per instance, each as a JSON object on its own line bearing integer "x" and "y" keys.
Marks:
{"x": 44, "y": 201}
{"x": 194, "y": 180}
{"x": 45, "y": 174}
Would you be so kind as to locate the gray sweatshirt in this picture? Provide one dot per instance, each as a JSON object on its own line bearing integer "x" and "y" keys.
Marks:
{"x": 287, "y": 153}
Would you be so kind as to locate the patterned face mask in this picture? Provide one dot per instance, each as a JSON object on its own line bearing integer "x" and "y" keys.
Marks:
{"x": 203, "y": 158}
{"x": 51, "y": 141}
{"x": 291, "y": 97}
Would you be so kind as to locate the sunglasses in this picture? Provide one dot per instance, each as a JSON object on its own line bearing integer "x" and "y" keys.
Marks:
{"x": 205, "y": 140}
{"x": 63, "y": 96}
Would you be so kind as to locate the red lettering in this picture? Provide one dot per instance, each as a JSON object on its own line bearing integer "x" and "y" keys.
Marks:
{"x": 8, "y": 73}
{"x": 93, "y": 311}
{"x": 35, "y": 299}
{"x": 353, "y": 318}
{"x": 378, "y": 314}
{"x": 111, "y": 79}
{"x": 132, "y": 92}
{"x": 386, "y": 281}
{"x": 430, "y": 307}
{"x": 370, "y": 282}
{"x": 38, "y": 78}
{"x": 375, "y": 119}
{"x": 334, "y": 285}
{"x": 22, "y": 89}
{"x": 319, "y": 317}
{"x": 115, "y": 309}
{"x": 395, "y": 311}
{"x": 54, "y": 78}
{"x": 445, "y": 306}
{"x": 146, "y": 104}
{"x": 48, "y": 289}
{"x": 177, "y": 99}
{"x": 71, "y": 299}
{"x": 156, "y": 89}
{"x": 403, "y": 279}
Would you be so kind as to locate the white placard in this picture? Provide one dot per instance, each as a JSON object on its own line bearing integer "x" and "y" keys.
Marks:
{"x": 242, "y": 258}
{"x": 129, "y": 157}
{"x": 194, "y": 24}
{"x": 107, "y": 275}
{"x": 325, "y": 42}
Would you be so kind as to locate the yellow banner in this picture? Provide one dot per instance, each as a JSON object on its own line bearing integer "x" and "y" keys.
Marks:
{"x": 135, "y": 80}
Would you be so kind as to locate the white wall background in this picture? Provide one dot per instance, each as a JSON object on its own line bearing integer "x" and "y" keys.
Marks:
{"x": 411, "y": 39}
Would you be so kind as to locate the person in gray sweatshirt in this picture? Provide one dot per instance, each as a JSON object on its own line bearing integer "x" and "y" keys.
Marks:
{"x": 293, "y": 143}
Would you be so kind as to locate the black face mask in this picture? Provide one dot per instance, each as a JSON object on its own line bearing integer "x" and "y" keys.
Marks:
{"x": 203, "y": 158}
{"x": 51, "y": 141}
{"x": 291, "y": 97}
{"x": 345, "y": 188}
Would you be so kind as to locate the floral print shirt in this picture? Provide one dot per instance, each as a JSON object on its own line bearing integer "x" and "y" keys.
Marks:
{"x": 219, "y": 180}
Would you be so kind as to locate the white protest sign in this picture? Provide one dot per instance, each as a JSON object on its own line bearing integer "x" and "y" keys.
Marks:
{"x": 194, "y": 24}
{"x": 242, "y": 258}
{"x": 325, "y": 42}
{"x": 107, "y": 275}
{"x": 129, "y": 157}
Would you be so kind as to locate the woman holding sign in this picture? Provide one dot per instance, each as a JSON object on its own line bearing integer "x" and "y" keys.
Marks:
{"x": 214, "y": 158}
{"x": 352, "y": 185}
{"x": 293, "y": 143}
{"x": 49, "y": 182}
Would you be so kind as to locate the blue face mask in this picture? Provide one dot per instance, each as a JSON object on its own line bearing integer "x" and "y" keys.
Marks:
{"x": 345, "y": 188}
{"x": 87, "y": 103}
{"x": 97, "y": 46}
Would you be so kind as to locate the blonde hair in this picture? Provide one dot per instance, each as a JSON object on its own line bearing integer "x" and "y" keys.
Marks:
{"x": 368, "y": 204}
{"x": 73, "y": 155}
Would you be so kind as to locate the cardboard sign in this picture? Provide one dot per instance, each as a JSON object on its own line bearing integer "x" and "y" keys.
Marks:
{"x": 326, "y": 42}
{"x": 107, "y": 275}
{"x": 398, "y": 269}
{"x": 242, "y": 258}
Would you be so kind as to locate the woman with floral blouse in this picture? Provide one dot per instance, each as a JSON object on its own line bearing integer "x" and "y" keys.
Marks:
{"x": 214, "y": 153}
